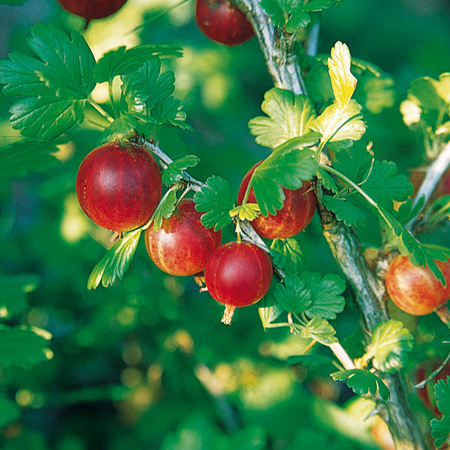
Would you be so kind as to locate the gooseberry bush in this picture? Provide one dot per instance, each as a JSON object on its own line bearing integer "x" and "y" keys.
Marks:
{"x": 312, "y": 125}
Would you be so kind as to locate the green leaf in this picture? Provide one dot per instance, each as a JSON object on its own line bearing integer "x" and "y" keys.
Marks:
{"x": 21, "y": 158}
{"x": 289, "y": 116}
{"x": 55, "y": 85}
{"x": 326, "y": 299}
{"x": 175, "y": 170}
{"x": 246, "y": 211}
{"x": 327, "y": 180}
{"x": 10, "y": 411}
{"x": 292, "y": 295}
{"x": 286, "y": 254}
{"x": 145, "y": 87}
{"x": 309, "y": 360}
{"x": 216, "y": 200}
{"x": 440, "y": 429}
{"x": 363, "y": 382}
{"x": 346, "y": 210}
{"x": 13, "y": 290}
{"x": 320, "y": 330}
{"x": 287, "y": 166}
{"x": 115, "y": 263}
{"x": 124, "y": 127}
{"x": 25, "y": 347}
{"x": 390, "y": 346}
{"x": 165, "y": 208}
{"x": 122, "y": 61}
{"x": 269, "y": 310}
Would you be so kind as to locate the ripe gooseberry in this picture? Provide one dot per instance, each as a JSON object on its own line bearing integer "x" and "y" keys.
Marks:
{"x": 415, "y": 289}
{"x": 295, "y": 215}
{"x": 119, "y": 186}
{"x": 222, "y": 22}
{"x": 92, "y": 9}
{"x": 182, "y": 245}
{"x": 238, "y": 274}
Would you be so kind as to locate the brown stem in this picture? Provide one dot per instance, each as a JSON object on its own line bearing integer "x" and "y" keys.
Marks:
{"x": 283, "y": 65}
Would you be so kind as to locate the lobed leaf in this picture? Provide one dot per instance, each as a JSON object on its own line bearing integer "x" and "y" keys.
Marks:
{"x": 440, "y": 429}
{"x": 122, "y": 61}
{"x": 288, "y": 116}
{"x": 363, "y": 382}
{"x": 286, "y": 254}
{"x": 115, "y": 263}
{"x": 346, "y": 210}
{"x": 390, "y": 346}
{"x": 292, "y": 294}
{"x": 216, "y": 200}
{"x": 165, "y": 209}
{"x": 25, "y": 347}
{"x": 326, "y": 299}
{"x": 287, "y": 166}
{"x": 175, "y": 170}
{"x": 320, "y": 330}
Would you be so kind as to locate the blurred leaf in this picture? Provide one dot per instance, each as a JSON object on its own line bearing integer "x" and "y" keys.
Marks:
{"x": 216, "y": 200}
{"x": 390, "y": 346}
{"x": 440, "y": 429}
{"x": 309, "y": 360}
{"x": 375, "y": 93}
{"x": 289, "y": 116}
{"x": 55, "y": 86}
{"x": 9, "y": 411}
{"x": 21, "y": 158}
{"x": 320, "y": 330}
{"x": 325, "y": 295}
{"x": 25, "y": 347}
{"x": 343, "y": 81}
{"x": 269, "y": 310}
{"x": 13, "y": 2}
{"x": 363, "y": 382}
{"x": 12, "y": 293}
{"x": 286, "y": 254}
{"x": 288, "y": 166}
{"x": 115, "y": 263}
{"x": 292, "y": 294}
{"x": 175, "y": 170}
{"x": 122, "y": 61}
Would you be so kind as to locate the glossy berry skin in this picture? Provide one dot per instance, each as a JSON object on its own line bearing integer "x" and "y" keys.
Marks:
{"x": 238, "y": 274}
{"x": 414, "y": 289}
{"x": 221, "y": 22}
{"x": 119, "y": 186}
{"x": 92, "y": 9}
{"x": 295, "y": 215}
{"x": 182, "y": 245}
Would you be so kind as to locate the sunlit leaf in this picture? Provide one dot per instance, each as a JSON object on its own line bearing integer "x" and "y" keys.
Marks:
{"x": 288, "y": 116}
{"x": 246, "y": 211}
{"x": 115, "y": 263}
{"x": 343, "y": 81}
{"x": 269, "y": 310}
{"x": 25, "y": 347}
{"x": 390, "y": 346}
{"x": 216, "y": 199}
{"x": 363, "y": 382}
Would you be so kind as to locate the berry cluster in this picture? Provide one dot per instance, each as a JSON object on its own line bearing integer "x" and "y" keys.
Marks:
{"x": 119, "y": 187}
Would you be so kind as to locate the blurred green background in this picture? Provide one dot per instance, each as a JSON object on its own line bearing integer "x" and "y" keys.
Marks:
{"x": 147, "y": 364}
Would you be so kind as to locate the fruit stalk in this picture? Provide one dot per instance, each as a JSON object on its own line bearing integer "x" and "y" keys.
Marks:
{"x": 368, "y": 290}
